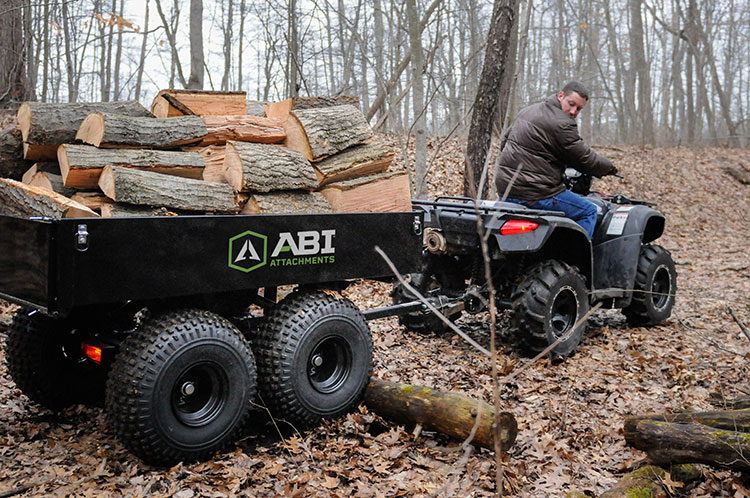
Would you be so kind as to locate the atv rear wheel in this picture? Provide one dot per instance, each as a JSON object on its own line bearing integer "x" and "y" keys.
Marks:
{"x": 314, "y": 357}
{"x": 654, "y": 287}
{"x": 548, "y": 302}
{"x": 43, "y": 360}
{"x": 181, "y": 387}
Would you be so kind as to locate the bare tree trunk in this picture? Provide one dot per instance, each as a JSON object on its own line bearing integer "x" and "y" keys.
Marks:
{"x": 170, "y": 30}
{"x": 240, "y": 44}
{"x": 118, "y": 53}
{"x": 496, "y": 75}
{"x": 417, "y": 65}
{"x": 195, "y": 82}
{"x": 640, "y": 70}
{"x": 293, "y": 52}
{"x": 142, "y": 60}
{"x": 13, "y": 85}
{"x": 228, "y": 45}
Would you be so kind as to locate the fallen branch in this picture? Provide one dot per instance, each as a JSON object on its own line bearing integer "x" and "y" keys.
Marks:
{"x": 742, "y": 326}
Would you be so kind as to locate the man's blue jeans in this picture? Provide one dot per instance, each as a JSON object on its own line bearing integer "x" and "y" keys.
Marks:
{"x": 574, "y": 206}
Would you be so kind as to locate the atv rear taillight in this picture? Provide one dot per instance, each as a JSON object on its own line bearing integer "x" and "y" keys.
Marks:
{"x": 513, "y": 227}
{"x": 93, "y": 353}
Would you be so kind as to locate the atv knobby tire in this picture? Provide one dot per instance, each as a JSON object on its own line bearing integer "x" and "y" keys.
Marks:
{"x": 654, "y": 287}
{"x": 42, "y": 356}
{"x": 181, "y": 387}
{"x": 420, "y": 321}
{"x": 547, "y": 303}
{"x": 314, "y": 357}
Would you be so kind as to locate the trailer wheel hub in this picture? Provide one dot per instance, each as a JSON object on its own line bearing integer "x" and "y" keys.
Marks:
{"x": 329, "y": 364}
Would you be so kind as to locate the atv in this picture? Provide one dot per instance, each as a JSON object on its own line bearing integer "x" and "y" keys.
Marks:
{"x": 542, "y": 266}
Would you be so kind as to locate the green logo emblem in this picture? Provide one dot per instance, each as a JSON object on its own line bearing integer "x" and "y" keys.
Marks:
{"x": 248, "y": 251}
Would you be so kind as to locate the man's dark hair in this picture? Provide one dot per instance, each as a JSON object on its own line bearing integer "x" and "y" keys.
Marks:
{"x": 574, "y": 86}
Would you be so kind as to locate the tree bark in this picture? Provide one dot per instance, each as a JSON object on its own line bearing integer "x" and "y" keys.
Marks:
{"x": 329, "y": 130}
{"x": 117, "y": 131}
{"x": 222, "y": 129}
{"x": 300, "y": 103}
{"x": 735, "y": 420}
{"x": 418, "y": 102}
{"x": 252, "y": 167}
{"x": 450, "y": 413}
{"x": 368, "y": 158}
{"x": 384, "y": 192}
{"x": 148, "y": 188}
{"x": 12, "y": 163}
{"x": 19, "y": 199}
{"x": 118, "y": 209}
{"x": 195, "y": 81}
{"x": 13, "y": 84}
{"x": 81, "y": 165}
{"x": 496, "y": 74}
{"x": 287, "y": 201}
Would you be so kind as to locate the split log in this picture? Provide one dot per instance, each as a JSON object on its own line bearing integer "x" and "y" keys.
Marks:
{"x": 92, "y": 200}
{"x": 47, "y": 167}
{"x": 368, "y": 158}
{"x": 376, "y": 193}
{"x": 19, "y": 199}
{"x": 121, "y": 210}
{"x": 733, "y": 420}
{"x": 213, "y": 157}
{"x": 171, "y": 102}
{"x": 667, "y": 443}
{"x": 263, "y": 168}
{"x": 52, "y": 182}
{"x": 320, "y": 132}
{"x": 648, "y": 481}
{"x": 148, "y": 188}
{"x": 81, "y": 165}
{"x": 44, "y": 126}
{"x": 113, "y": 130}
{"x": 289, "y": 201}
{"x": 221, "y": 129}
{"x": 449, "y": 413}
{"x": 12, "y": 163}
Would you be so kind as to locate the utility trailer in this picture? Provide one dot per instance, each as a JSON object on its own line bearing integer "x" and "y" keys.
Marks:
{"x": 153, "y": 315}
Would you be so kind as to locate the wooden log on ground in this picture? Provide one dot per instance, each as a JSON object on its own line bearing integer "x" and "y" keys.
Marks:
{"x": 733, "y": 420}
{"x": 12, "y": 163}
{"x": 21, "y": 200}
{"x": 92, "y": 200}
{"x": 738, "y": 174}
{"x": 81, "y": 165}
{"x": 221, "y": 129}
{"x": 147, "y": 188}
{"x": 668, "y": 443}
{"x": 52, "y": 182}
{"x": 649, "y": 481}
{"x": 366, "y": 159}
{"x": 114, "y": 130}
{"x": 252, "y": 167}
{"x": 384, "y": 192}
{"x": 287, "y": 201}
{"x": 449, "y": 413}
{"x": 122, "y": 210}
{"x": 44, "y": 126}
{"x": 47, "y": 167}
{"x": 213, "y": 157}
{"x": 320, "y": 132}
{"x": 173, "y": 102}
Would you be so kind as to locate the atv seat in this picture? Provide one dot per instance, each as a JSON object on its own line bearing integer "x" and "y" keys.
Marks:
{"x": 601, "y": 209}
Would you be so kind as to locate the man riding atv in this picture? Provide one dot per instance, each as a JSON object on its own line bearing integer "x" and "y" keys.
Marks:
{"x": 537, "y": 148}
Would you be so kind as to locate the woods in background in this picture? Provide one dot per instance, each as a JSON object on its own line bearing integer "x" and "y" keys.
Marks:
{"x": 661, "y": 72}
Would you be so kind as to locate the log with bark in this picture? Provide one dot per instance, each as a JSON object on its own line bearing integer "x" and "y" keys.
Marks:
{"x": 52, "y": 182}
{"x": 172, "y": 102}
{"x": 22, "y": 200}
{"x": 252, "y": 167}
{"x": 734, "y": 420}
{"x": 324, "y": 101}
{"x": 81, "y": 165}
{"x": 148, "y": 188}
{"x": 122, "y": 210}
{"x": 320, "y": 132}
{"x": 650, "y": 480}
{"x": 117, "y": 131}
{"x": 256, "y": 108}
{"x": 738, "y": 174}
{"x": 44, "y": 126}
{"x": 47, "y": 167}
{"x": 285, "y": 202}
{"x": 383, "y": 192}
{"x": 365, "y": 159}
{"x": 221, "y": 129}
{"x": 450, "y": 413}
{"x": 12, "y": 163}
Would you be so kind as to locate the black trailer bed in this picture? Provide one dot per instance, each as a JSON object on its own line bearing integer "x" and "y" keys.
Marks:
{"x": 60, "y": 265}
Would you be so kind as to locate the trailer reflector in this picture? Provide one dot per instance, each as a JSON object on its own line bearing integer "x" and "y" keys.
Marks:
{"x": 93, "y": 353}
{"x": 513, "y": 227}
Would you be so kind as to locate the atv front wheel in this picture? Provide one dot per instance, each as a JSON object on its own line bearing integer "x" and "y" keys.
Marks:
{"x": 181, "y": 387}
{"x": 548, "y": 302}
{"x": 314, "y": 357}
{"x": 654, "y": 288}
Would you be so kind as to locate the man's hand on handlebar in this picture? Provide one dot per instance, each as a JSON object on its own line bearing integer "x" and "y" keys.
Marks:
{"x": 613, "y": 172}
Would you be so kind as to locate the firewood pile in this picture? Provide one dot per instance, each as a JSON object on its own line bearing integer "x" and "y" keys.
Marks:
{"x": 196, "y": 152}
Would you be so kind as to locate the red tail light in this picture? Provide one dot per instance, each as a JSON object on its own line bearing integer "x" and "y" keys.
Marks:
{"x": 513, "y": 227}
{"x": 92, "y": 352}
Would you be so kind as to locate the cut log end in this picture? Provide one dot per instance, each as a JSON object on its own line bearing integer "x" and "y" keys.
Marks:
{"x": 91, "y": 130}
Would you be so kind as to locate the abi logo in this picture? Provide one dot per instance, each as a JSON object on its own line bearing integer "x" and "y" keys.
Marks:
{"x": 249, "y": 250}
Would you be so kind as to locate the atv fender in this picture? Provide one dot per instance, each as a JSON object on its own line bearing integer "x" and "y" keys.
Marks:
{"x": 617, "y": 244}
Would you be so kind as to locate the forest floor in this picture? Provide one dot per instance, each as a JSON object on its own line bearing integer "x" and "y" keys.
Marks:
{"x": 570, "y": 414}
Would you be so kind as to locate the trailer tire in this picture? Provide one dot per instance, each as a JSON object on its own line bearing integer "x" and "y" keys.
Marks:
{"x": 181, "y": 387}
{"x": 314, "y": 358}
{"x": 42, "y": 355}
{"x": 548, "y": 301}
{"x": 654, "y": 287}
